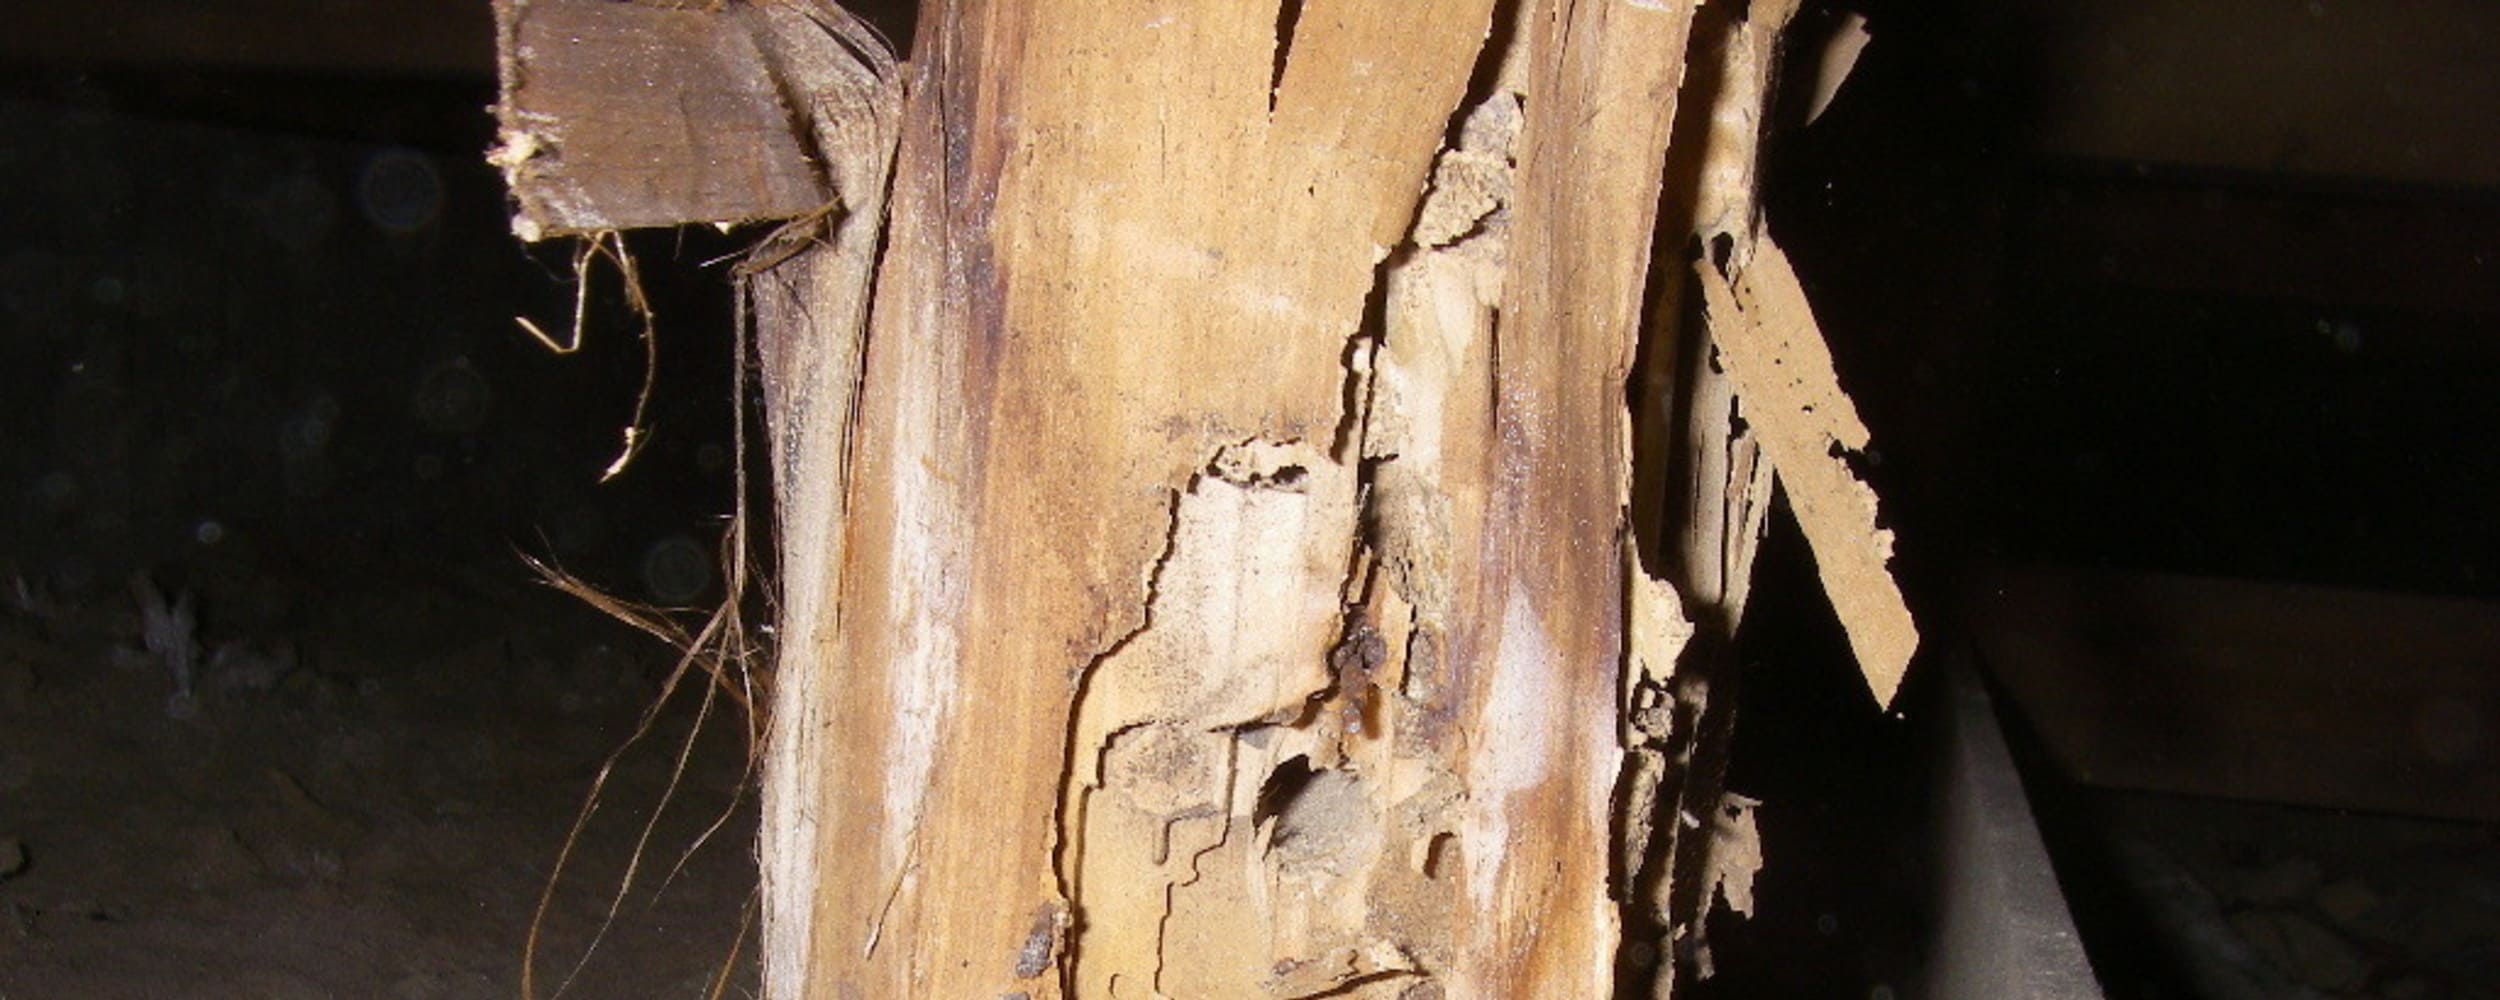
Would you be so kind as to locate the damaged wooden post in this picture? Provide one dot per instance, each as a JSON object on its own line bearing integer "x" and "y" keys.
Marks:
{"x": 1735, "y": 392}
{"x": 1205, "y": 514}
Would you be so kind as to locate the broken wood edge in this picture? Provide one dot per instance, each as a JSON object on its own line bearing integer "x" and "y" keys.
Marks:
{"x": 613, "y": 116}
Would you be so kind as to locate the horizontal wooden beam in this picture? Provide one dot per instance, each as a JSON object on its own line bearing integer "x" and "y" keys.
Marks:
{"x": 2230, "y": 233}
{"x": 2398, "y": 91}
{"x": 2239, "y": 689}
{"x": 421, "y": 38}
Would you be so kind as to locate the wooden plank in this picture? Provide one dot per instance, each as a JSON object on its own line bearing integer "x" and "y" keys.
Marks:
{"x": 2239, "y": 689}
{"x": 2396, "y": 91}
{"x": 626, "y": 115}
{"x": 1783, "y": 372}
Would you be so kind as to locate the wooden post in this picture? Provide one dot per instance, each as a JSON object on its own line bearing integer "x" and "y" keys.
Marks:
{"x": 1206, "y": 550}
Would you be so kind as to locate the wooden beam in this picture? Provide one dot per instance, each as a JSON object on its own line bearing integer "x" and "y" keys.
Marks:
{"x": 2240, "y": 689}
{"x": 2395, "y": 91}
{"x": 655, "y": 115}
{"x": 1118, "y": 700}
{"x": 2235, "y": 234}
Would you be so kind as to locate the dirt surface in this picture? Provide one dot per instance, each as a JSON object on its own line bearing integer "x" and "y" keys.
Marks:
{"x": 365, "y": 804}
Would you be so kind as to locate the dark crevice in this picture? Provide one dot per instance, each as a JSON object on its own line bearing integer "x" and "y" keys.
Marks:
{"x": 1722, "y": 246}
{"x": 1486, "y": 79}
{"x": 1283, "y": 785}
{"x": 1083, "y": 683}
{"x": 1288, "y": 18}
{"x": 1363, "y": 350}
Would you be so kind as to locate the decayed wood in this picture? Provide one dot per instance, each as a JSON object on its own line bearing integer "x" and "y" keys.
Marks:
{"x": 1281, "y": 777}
{"x": 1102, "y": 395}
{"x": 1212, "y": 572}
{"x": 1561, "y": 249}
{"x": 1767, "y": 339}
{"x": 1712, "y": 498}
{"x": 1761, "y": 381}
{"x": 1720, "y": 400}
{"x": 808, "y": 288}
{"x": 1587, "y": 210}
{"x": 620, "y": 115}
{"x": 1705, "y": 494}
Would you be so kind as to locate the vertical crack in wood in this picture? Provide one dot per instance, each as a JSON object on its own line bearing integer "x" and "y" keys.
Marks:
{"x": 1288, "y": 18}
{"x": 1082, "y": 770}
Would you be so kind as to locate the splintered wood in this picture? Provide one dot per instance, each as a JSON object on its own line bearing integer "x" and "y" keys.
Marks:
{"x": 1211, "y": 571}
{"x": 1757, "y": 382}
{"x": 1768, "y": 342}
